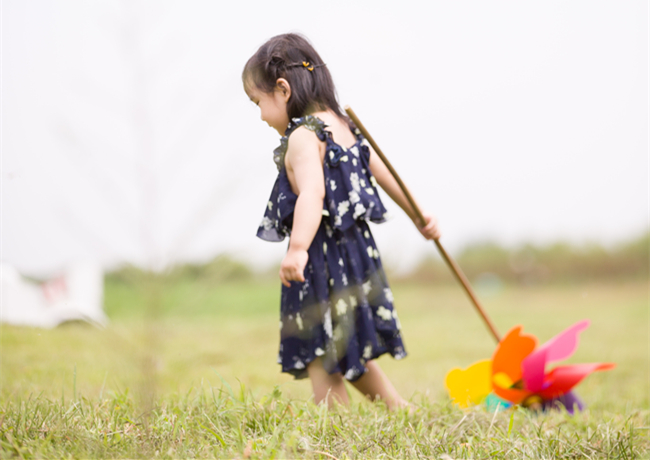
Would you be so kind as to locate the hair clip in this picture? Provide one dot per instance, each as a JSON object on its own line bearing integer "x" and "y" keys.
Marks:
{"x": 307, "y": 65}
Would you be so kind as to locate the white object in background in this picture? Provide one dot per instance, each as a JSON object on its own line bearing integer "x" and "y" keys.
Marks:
{"x": 77, "y": 295}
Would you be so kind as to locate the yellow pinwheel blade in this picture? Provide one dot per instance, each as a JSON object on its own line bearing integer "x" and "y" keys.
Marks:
{"x": 470, "y": 386}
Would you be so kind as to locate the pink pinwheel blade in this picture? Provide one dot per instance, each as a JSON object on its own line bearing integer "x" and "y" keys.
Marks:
{"x": 563, "y": 378}
{"x": 559, "y": 347}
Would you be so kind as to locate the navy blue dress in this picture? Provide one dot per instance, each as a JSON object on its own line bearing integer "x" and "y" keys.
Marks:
{"x": 343, "y": 312}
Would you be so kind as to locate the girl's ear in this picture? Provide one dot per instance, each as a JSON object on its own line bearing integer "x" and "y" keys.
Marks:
{"x": 283, "y": 86}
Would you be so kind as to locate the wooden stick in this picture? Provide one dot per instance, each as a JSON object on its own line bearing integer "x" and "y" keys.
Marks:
{"x": 460, "y": 276}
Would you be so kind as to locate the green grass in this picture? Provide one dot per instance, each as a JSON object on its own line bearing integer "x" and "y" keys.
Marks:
{"x": 211, "y": 423}
{"x": 187, "y": 369}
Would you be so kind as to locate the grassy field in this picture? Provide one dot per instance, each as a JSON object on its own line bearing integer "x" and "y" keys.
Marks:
{"x": 187, "y": 369}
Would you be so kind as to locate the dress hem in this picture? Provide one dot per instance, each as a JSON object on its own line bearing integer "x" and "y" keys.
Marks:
{"x": 300, "y": 374}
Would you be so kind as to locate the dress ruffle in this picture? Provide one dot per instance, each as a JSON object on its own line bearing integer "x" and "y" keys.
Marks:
{"x": 350, "y": 188}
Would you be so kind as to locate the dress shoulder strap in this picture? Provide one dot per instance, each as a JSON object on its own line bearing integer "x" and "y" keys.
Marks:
{"x": 310, "y": 122}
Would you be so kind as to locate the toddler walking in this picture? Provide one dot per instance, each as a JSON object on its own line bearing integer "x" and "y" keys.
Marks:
{"x": 337, "y": 312}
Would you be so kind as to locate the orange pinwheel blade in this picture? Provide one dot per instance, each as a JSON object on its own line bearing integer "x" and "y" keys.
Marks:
{"x": 506, "y": 364}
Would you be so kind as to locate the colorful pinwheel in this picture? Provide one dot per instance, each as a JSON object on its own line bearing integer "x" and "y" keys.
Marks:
{"x": 516, "y": 374}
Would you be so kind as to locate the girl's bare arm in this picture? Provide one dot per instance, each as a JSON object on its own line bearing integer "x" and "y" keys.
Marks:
{"x": 305, "y": 169}
{"x": 391, "y": 187}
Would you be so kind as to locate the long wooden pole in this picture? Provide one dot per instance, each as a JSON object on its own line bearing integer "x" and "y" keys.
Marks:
{"x": 460, "y": 276}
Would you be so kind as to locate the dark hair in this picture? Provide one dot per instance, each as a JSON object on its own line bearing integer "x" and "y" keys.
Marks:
{"x": 282, "y": 57}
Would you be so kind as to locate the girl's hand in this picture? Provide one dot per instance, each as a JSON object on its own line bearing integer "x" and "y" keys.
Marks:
{"x": 430, "y": 230}
{"x": 293, "y": 266}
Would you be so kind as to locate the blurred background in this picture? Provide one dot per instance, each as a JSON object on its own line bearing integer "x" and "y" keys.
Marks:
{"x": 134, "y": 163}
{"x": 127, "y": 137}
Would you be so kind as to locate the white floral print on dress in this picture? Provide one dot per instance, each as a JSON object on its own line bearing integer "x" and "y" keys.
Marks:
{"x": 367, "y": 351}
{"x": 351, "y": 374}
{"x": 343, "y": 207}
{"x": 359, "y": 210}
{"x": 266, "y": 223}
{"x": 354, "y": 197}
{"x": 384, "y": 313}
{"x": 397, "y": 323}
{"x": 341, "y": 307}
{"x": 399, "y": 353}
{"x": 327, "y": 323}
{"x": 354, "y": 181}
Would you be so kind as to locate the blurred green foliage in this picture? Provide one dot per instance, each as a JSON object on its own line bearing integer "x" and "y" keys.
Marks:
{"x": 483, "y": 262}
{"x": 221, "y": 286}
{"x": 222, "y": 268}
{"x": 530, "y": 264}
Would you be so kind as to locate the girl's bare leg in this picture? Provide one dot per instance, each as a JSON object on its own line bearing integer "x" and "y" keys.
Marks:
{"x": 327, "y": 387}
{"x": 375, "y": 385}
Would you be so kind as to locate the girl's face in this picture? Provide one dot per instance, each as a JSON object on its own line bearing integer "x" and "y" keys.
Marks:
{"x": 273, "y": 106}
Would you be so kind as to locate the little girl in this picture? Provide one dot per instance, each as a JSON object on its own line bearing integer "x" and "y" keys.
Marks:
{"x": 337, "y": 312}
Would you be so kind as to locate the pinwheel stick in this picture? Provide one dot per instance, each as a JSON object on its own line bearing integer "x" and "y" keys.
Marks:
{"x": 455, "y": 269}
